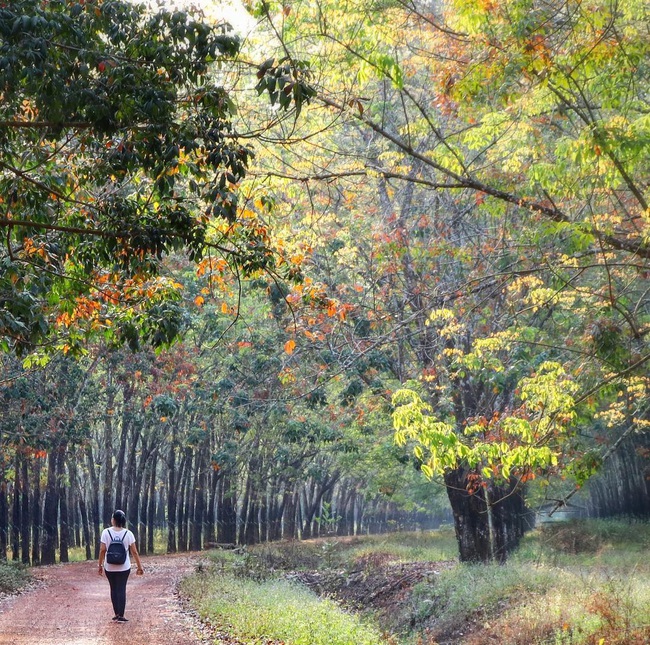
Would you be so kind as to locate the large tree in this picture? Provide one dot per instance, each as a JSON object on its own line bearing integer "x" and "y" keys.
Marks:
{"x": 526, "y": 124}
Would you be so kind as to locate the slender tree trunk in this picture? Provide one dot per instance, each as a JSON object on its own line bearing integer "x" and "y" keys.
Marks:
{"x": 290, "y": 523}
{"x": 172, "y": 494}
{"x": 50, "y": 511}
{"x": 24, "y": 513}
{"x": 184, "y": 501}
{"x": 200, "y": 480}
{"x": 243, "y": 512}
{"x": 4, "y": 518}
{"x": 227, "y": 513}
{"x": 94, "y": 499}
{"x": 15, "y": 512}
{"x": 64, "y": 520}
{"x": 144, "y": 506}
{"x": 151, "y": 509}
{"x": 85, "y": 526}
{"x": 120, "y": 497}
{"x": 108, "y": 491}
{"x": 211, "y": 512}
{"x": 36, "y": 512}
{"x": 135, "y": 473}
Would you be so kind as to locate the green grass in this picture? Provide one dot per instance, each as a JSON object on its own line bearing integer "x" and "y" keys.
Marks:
{"x": 425, "y": 546}
{"x": 13, "y": 576}
{"x": 275, "y": 609}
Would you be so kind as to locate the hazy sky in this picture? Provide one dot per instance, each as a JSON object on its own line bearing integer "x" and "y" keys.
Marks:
{"x": 230, "y": 10}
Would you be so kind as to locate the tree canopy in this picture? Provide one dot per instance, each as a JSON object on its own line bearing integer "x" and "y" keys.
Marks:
{"x": 116, "y": 149}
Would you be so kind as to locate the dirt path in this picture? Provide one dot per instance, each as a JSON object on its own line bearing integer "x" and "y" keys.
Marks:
{"x": 72, "y": 607}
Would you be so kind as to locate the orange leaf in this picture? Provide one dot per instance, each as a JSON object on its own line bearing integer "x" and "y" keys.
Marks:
{"x": 199, "y": 300}
{"x": 289, "y": 346}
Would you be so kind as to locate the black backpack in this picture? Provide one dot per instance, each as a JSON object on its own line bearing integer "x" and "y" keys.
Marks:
{"x": 116, "y": 552}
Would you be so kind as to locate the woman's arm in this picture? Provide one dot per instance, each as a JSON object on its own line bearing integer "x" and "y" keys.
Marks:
{"x": 102, "y": 555}
{"x": 134, "y": 552}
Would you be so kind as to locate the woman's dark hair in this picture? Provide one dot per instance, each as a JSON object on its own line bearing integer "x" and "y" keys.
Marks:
{"x": 120, "y": 518}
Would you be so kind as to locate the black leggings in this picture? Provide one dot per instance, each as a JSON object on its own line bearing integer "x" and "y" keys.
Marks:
{"x": 117, "y": 580}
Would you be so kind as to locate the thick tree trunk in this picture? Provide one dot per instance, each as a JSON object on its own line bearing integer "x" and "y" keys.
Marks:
{"x": 489, "y": 522}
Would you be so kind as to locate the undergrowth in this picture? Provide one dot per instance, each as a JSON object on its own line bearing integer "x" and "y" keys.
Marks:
{"x": 13, "y": 576}
{"x": 570, "y": 583}
{"x": 581, "y": 582}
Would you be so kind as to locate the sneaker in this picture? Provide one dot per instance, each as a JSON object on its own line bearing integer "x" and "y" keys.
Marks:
{"x": 121, "y": 619}
{"x": 115, "y": 617}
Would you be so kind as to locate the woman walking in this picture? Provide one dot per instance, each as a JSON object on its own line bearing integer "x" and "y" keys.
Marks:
{"x": 117, "y": 544}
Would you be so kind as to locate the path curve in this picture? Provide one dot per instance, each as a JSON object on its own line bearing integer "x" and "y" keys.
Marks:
{"x": 72, "y": 606}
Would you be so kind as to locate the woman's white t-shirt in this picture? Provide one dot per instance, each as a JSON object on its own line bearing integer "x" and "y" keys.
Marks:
{"x": 128, "y": 540}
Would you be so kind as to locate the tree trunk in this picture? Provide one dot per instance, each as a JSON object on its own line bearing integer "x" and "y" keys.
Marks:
{"x": 24, "y": 513}
{"x": 50, "y": 511}
{"x": 85, "y": 525}
{"x": 36, "y": 513}
{"x": 4, "y": 519}
{"x": 227, "y": 513}
{"x": 172, "y": 493}
{"x": 211, "y": 511}
{"x": 15, "y": 512}
{"x": 488, "y": 522}
{"x": 151, "y": 509}
{"x": 94, "y": 499}
{"x": 64, "y": 532}
{"x": 200, "y": 482}
{"x": 108, "y": 492}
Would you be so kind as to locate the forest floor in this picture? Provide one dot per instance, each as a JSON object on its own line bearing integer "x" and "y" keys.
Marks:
{"x": 70, "y": 605}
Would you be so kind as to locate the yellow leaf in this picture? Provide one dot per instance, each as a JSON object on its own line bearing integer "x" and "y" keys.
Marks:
{"x": 289, "y": 346}
{"x": 199, "y": 300}
{"x": 224, "y": 308}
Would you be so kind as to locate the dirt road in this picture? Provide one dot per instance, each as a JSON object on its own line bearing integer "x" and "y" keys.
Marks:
{"x": 72, "y": 607}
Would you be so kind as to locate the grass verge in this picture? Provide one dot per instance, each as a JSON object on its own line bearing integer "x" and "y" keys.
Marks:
{"x": 275, "y": 610}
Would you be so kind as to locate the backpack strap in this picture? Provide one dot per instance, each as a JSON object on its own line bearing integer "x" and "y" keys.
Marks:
{"x": 115, "y": 538}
